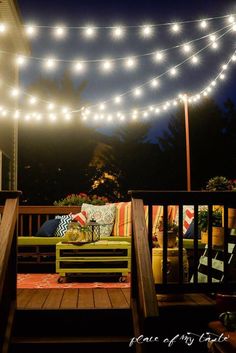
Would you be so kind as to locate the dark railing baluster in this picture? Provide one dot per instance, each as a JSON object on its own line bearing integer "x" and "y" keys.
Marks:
{"x": 226, "y": 250}
{"x": 181, "y": 269}
{"x": 195, "y": 245}
{"x": 150, "y": 228}
{"x": 209, "y": 246}
{"x": 165, "y": 237}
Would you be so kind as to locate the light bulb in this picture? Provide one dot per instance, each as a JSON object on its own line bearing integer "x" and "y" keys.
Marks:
{"x": 215, "y": 45}
{"x": 231, "y": 19}
{"x": 203, "y": 24}
{"x": 158, "y": 56}
{"x": 59, "y": 32}
{"x": 130, "y": 63}
{"x": 173, "y": 71}
{"x": 137, "y": 92}
{"x": 15, "y": 92}
{"x": 146, "y": 31}
{"x": 33, "y": 100}
{"x": 31, "y": 30}
{"x": 195, "y": 59}
{"x": 89, "y": 32}
{"x": 118, "y": 99}
{"x": 50, "y": 63}
{"x": 187, "y": 48}
{"x": 175, "y": 27}
{"x": 107, "y": 65}
{"x": 3, "y": 28}
{"x": 79, "y": 66}
{"x": 20, "y": 60}
{"x": 118, "y": 32}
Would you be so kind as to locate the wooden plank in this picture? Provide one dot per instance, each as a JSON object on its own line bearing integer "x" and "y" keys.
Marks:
{"x": 24, "y": 297}
{"x": 69, "y": 299}
{"x": 54, "y": 298}
{"x": 126, "y": 292}
{"x": 38, "y": 299}
{"x": 101, "y": 298}
{"x": 201, "y": 299}
{"x": 85, "y": 299}
{"x": 117, "y": 298}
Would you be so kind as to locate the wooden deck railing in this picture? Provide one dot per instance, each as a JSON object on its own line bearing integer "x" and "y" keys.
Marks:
{"x": 143, "y": 296}
{"x": 30, "y": 218}
{"x": 226, "y": 200}
{"x": 7, "y": 267}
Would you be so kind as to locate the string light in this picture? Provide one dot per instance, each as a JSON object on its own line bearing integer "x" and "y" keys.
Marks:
{"x": 50, "y": 63}
{"x": 59, "y": 32}
{"x": 203, "y": 24}
{"x": 31, "y": 30}
{"x": 130, "y": 63}
{"x": 175, "y": 28}
{"x": 147, "y": 31}
{"x": 118, "y": 32}
{"x": 89, "y": 32}
{"x": 3, "y": 28}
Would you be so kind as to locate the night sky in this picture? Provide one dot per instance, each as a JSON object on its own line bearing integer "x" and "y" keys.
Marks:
{"x": 109, "y": 13}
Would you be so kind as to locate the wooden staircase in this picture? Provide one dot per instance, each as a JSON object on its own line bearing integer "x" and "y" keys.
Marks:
{"x": 72, "y": 331}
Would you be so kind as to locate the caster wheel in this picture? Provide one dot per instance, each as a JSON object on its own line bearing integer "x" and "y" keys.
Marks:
{"x": 61, "y": 279}
{"x": 123, "y": 279}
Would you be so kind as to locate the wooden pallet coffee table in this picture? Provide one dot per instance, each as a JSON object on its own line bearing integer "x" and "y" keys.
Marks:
{"x": 103, "y": 256}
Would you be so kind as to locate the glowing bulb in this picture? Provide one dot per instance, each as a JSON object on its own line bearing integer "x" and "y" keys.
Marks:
{"x": 175, "y": 27}
{"x": 137, "y": 92}
{"x": 89, "y": 32}
{"x": 213, "y": 37}
{"x": 145, "y": 114}
{"x": 15, "y": 92}
{"x": 20, "y": 61}
{"x": 59, "y": 32}
{"x": 213, "y": 83}
{"x": 31, "y": 31}
{"x": 51, "y": 106}
{"x": 154, "y": 83}
{"x": 205, "y": 93}
{"x": 65, "y": 110}
{"x": 102, "y": 106}
{"x": 231, "y": 19}
{"x": 234, "y": 27}
{"x": 233, "y": 58}
{"x": 79, "y": 66}
{"x": 157, "y": 111}
{"x": 203, "y": 24}
{"x": 209, "y": 89}
{"x": 173, "y": 71}
{"x": 187, "y": 48}
{"x": 50, "y": 63}
{"x": 33, "y": 100}
{"x": 222, "y": 76}
{"x": 130, "y": 63}
{"x": 2, "y": 28}
{"x": 118, "y": 99}
{"x": 146, "y": 31}
{"x": 195, "y": 59}
{"x": 158, "y": 56}
{"x": 109, "y": 118}
{"x": 215, "y": 45}
{"x": 224, "y": 67}
{"x": 118, "y": 32}
{"x": 107, "y": 65}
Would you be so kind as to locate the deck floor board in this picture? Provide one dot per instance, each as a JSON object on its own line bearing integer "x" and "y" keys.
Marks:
{"x": 71, "y": 298}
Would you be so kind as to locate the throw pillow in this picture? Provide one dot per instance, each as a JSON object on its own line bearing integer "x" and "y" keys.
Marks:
{"x": 80, "y": 217}
{"x": 123, "y": 220}
{"x": 103, "y": 215}
{"x": 63, "y": 225}
{"x": 48, "y": 228}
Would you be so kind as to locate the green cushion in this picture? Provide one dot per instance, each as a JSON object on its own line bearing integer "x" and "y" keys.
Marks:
{"x": 39, "y": 240}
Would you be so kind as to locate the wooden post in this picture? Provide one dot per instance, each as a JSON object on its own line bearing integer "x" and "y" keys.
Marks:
{"x": 187, "y": 142}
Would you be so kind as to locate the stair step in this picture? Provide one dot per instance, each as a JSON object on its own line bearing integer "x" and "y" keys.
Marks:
{"x": 75, "y": 323}
{"x": 85, "y": 344}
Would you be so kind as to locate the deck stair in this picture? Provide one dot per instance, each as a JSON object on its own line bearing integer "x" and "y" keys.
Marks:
{"x": 72, "y": 330}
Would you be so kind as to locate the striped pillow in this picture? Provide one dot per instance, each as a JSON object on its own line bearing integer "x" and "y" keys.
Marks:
{"x": 157, "y": 213}
{"x": 80, "y": 217}
{"x": 123, "y": 220}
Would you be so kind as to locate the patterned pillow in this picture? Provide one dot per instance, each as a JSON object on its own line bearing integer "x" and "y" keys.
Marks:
{"x": 63, "y": 225}
{"x": 123, "y": 220}
{"x": 80, "y": 217}
{"x": 104, "y": 215}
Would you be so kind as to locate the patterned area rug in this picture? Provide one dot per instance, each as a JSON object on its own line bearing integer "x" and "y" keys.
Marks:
{"x": 46, "y": 280}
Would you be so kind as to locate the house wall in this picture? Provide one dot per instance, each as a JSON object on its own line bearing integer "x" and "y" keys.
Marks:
{"x": 12, "y": 42}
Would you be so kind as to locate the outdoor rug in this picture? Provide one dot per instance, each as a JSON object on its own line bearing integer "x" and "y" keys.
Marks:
{"x": 46, "y": 280}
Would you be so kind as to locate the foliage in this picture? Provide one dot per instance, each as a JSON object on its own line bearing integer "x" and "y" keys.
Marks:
{"x": 79, "y": 199}
{"x": 219, "y": 183}
{"x": 203, "y": 219}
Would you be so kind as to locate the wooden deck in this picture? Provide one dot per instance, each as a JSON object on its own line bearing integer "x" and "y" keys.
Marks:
{"x": 59, "y": 299}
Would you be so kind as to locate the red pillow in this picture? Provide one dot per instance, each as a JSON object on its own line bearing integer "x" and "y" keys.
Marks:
{"x": 80, "y": 217}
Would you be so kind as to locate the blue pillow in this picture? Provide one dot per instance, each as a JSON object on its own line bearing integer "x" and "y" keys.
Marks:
{"x": 48, "y": 228}
{"x": 190, "y": 231}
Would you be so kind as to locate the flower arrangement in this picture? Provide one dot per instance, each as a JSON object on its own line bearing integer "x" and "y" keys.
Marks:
{"x": 203, "y": 219}
{"x": 79, "y": 199}
{"x": 220, "y": 183}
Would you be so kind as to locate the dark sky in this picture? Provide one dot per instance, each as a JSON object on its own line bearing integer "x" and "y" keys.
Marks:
{"x": 107, "y": 13}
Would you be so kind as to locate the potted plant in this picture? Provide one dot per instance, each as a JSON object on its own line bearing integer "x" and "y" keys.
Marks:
{"x": 217, "y": 229}
{"x": 221, "y": 183}
{"x": 172, "y": 232}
